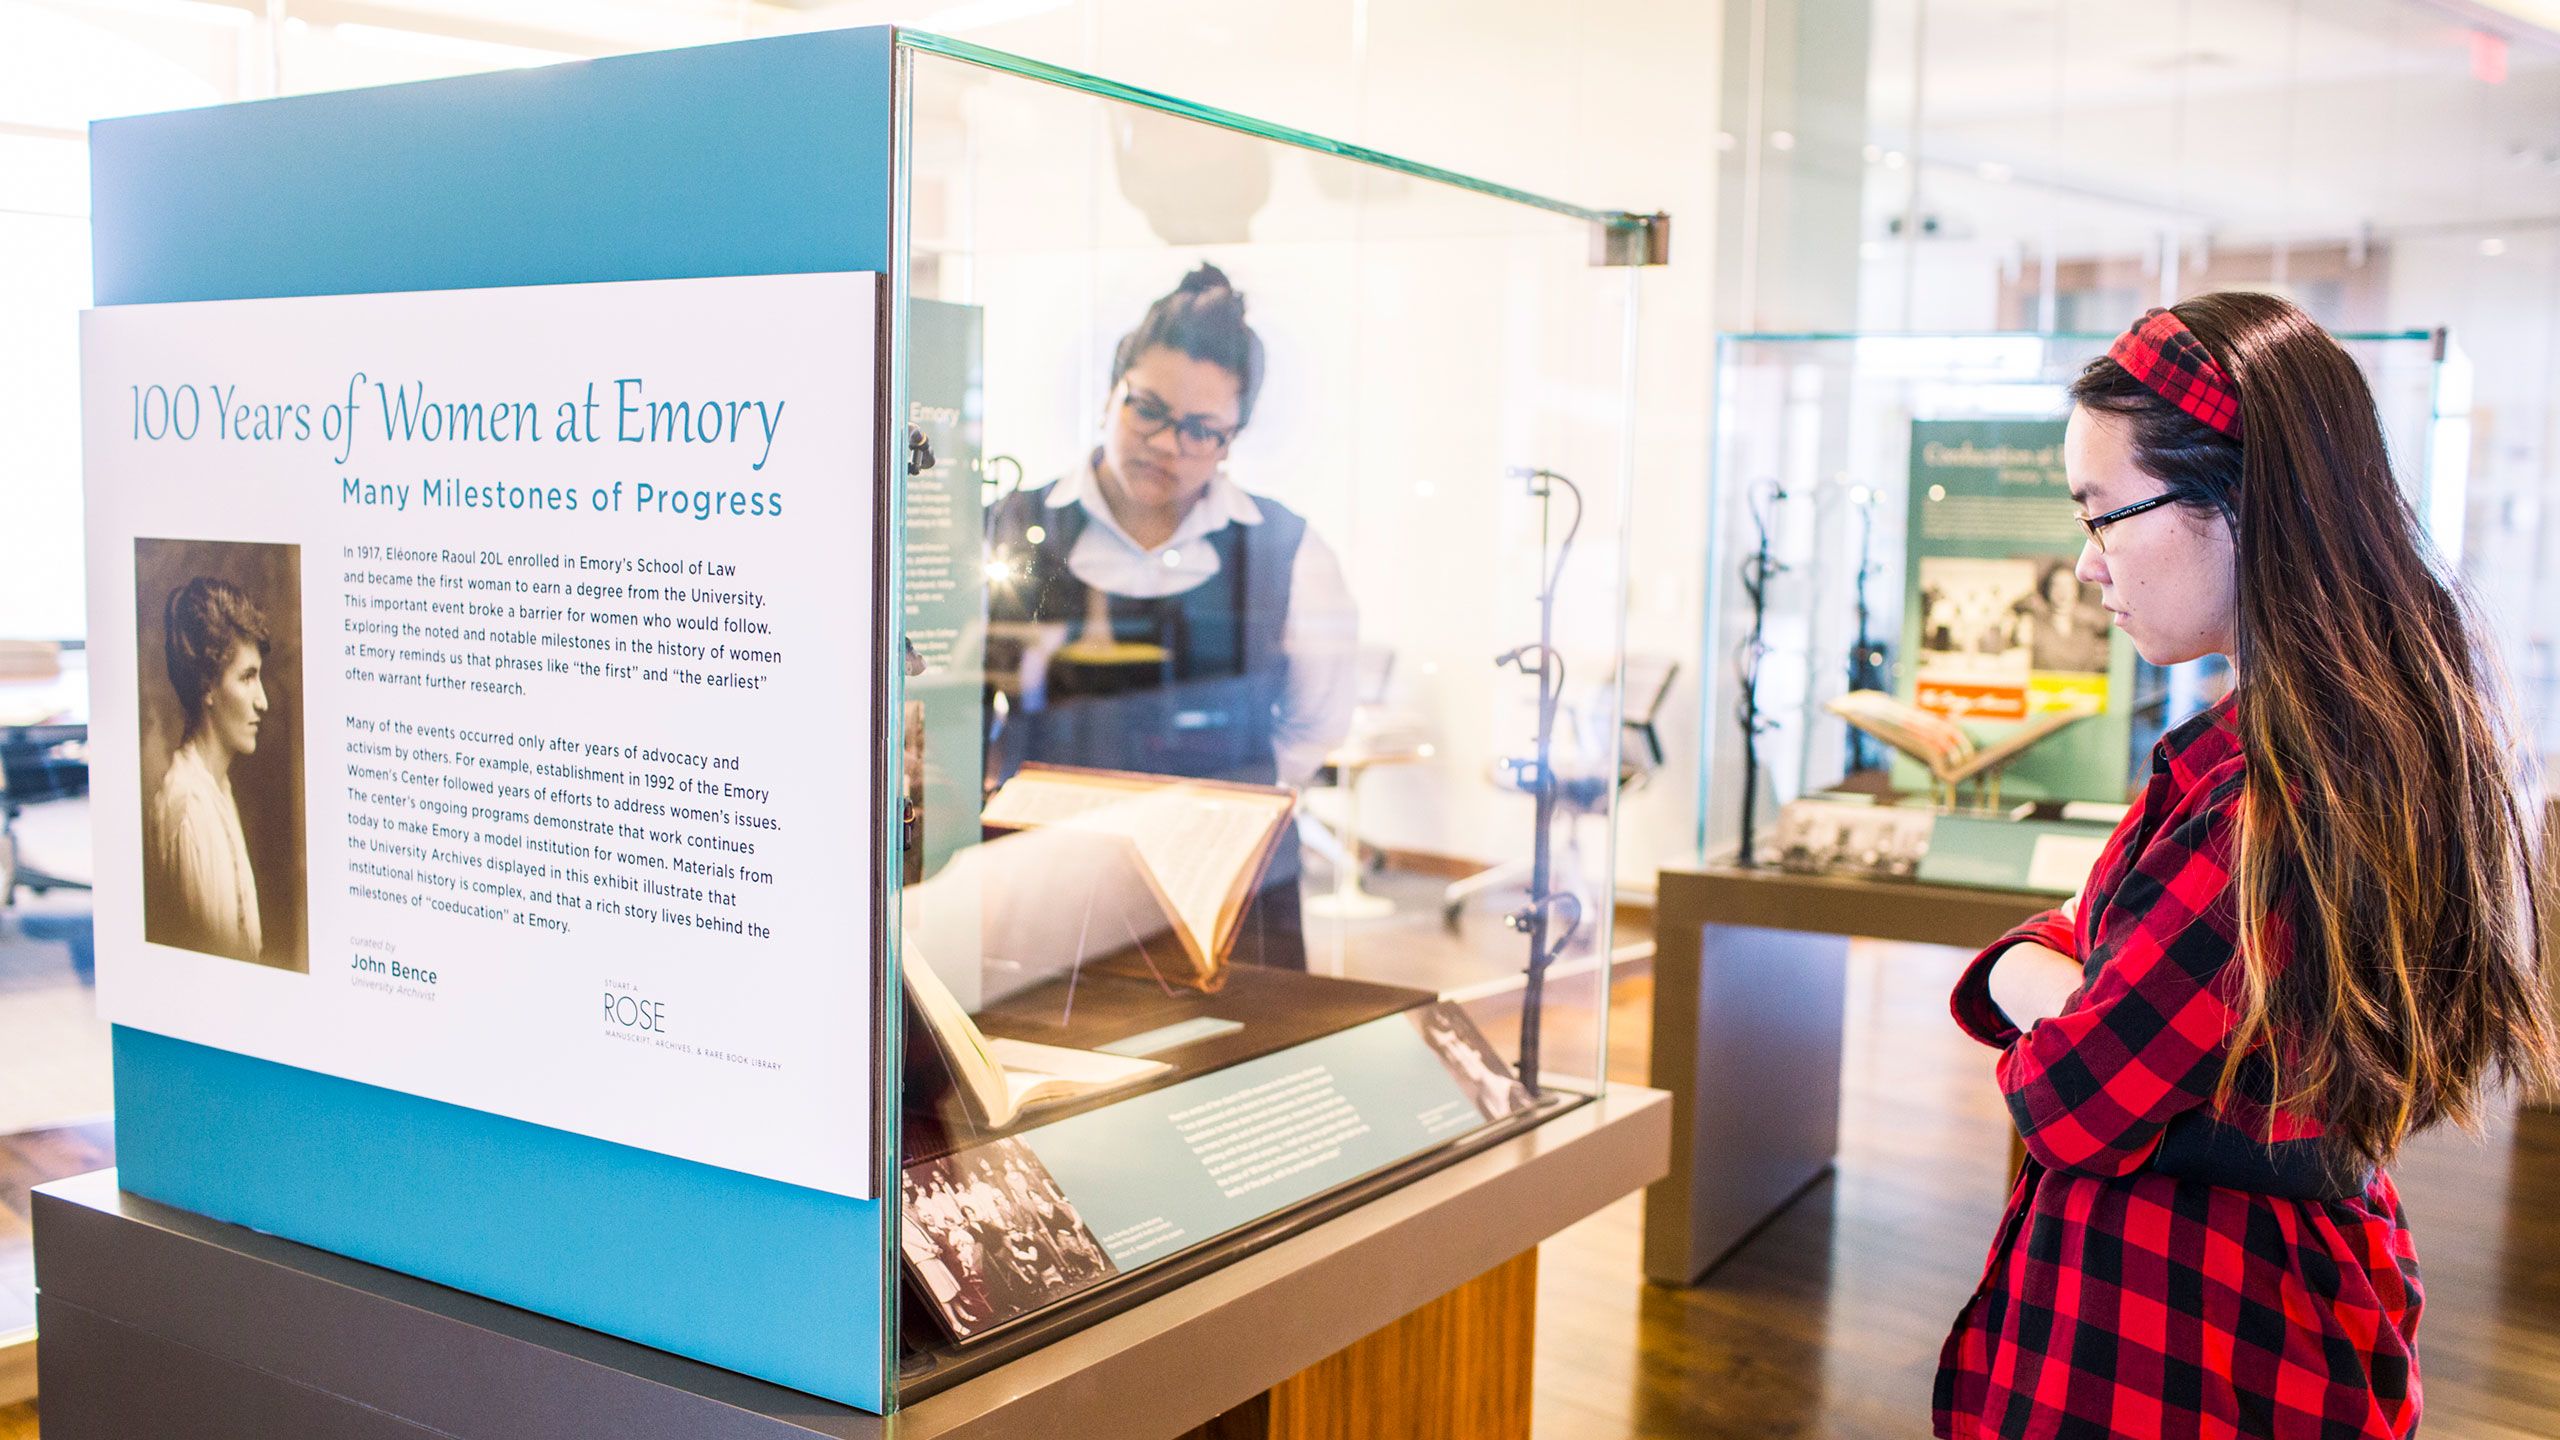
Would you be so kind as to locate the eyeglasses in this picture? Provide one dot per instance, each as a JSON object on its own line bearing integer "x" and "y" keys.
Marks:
{"x": 1192, "y": 435}
{"x": 2095, "y": 524}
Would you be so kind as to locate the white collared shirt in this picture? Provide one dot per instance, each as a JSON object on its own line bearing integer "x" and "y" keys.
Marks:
{"x": 205, "y": 894}
{"x": 1320, "y": 635}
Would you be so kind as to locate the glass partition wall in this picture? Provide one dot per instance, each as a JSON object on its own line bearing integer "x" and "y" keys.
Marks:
{"x": 1263, "y": 580}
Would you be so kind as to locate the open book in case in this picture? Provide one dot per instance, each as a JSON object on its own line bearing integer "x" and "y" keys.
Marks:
{"x": 1156, "y": 857}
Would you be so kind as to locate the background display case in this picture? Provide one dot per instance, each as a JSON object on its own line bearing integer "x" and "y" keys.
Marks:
{"x": 1266, "y": 938}
{"x": 1889, "y": 515}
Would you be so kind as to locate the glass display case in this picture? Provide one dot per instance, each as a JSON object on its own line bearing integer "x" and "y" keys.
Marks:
{"x": 1153, "y": 792}
{"x": 1261, "y": 557}
{"x": 1906, "y": 679}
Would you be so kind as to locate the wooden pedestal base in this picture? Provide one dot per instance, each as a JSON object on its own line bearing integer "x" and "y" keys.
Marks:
{"x": 1456, "y": 1369}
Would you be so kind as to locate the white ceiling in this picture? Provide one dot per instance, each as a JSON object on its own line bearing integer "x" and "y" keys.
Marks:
{"x": 2086, "y": 123}
{"x": 2250, "y": 120}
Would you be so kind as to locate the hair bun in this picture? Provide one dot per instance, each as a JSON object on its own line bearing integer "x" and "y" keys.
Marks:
{"x": 1203, "y": 318}
{"x": 1208, "y": 279}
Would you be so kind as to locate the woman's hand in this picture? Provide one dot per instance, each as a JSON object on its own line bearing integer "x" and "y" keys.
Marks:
{"x": 2030, "y": 982}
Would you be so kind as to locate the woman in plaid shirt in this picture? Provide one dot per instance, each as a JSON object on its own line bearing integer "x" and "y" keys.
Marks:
{"x": 2314, "y": 935}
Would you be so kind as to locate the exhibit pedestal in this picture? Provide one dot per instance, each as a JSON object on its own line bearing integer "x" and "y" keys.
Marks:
{"x": 160, "y": 1322}
{"x": 1456, "y": 1369}
{"x": 1749, "y": 975}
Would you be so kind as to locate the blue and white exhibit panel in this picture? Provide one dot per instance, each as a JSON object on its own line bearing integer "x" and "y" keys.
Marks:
{"x": 838, "y": 703}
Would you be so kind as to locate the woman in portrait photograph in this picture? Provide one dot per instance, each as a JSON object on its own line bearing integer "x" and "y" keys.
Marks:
{"x": 2065, "y": 627}
{"x": 203, "y": 891}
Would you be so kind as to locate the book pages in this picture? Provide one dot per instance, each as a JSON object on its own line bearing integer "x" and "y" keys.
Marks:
{"x": 1203, "y": 843}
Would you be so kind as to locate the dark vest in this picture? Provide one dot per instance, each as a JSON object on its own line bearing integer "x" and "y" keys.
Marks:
{"x": 1209, "y": 711}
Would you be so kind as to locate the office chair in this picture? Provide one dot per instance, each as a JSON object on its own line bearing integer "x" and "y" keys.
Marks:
{"x": 1373, "y": 727}
{"x": 44, "y": 806}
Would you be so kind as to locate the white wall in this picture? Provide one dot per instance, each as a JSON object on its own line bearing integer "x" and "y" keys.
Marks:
{"x": 2503, "y": 310}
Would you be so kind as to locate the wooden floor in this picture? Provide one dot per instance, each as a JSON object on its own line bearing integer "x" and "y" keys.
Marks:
{"x": 1827, "y": 1323}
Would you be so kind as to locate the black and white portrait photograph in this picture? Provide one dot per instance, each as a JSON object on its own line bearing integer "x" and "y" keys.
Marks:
{"x": 1479, "y": 1068}
{"x": 1969, "y": 609}
{"x": 991, "y": 1237}
{"x": 220, "y": 651}
{"x": 2064, "y": 623}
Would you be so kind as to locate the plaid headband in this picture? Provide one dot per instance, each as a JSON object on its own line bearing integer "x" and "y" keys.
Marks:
{"x": 2162, "y": 353}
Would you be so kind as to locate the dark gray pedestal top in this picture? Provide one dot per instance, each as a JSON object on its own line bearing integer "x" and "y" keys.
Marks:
{"x": 1719, "y": 893}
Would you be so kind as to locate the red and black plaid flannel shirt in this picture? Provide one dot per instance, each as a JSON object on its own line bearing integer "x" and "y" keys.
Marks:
{"x": 2122, "y": 1301}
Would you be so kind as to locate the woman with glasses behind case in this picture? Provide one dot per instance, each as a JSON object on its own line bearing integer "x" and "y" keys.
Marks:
{"x": 1210, "y": 632}
{"x": 2314, "y": 936}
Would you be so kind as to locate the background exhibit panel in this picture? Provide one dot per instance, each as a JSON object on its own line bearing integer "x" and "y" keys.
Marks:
{"x": 218, "y": 645}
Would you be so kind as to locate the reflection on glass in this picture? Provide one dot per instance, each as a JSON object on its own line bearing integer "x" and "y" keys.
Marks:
{"x": 1220, "y": 798}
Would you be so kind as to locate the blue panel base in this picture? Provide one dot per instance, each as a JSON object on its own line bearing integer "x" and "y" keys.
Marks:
{"x": 759, "y": 158}
{"x": 764, "y": 1278}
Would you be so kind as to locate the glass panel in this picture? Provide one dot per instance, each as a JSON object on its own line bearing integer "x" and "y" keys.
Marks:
{"x": 1138, "y": 99}
{"x": 1827, "y": 448}
{"x": 1223, "y": 720}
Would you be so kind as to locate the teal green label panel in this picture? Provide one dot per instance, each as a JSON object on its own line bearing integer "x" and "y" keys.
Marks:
{"x": 1161, "y": 1172}
{"x": 2052, "y": 856}
{"x": 945, "y": 593}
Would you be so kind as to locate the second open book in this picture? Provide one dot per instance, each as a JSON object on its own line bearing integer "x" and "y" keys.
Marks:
{"x": 1144, "y": 873}
{"x": 1945, "y": 747}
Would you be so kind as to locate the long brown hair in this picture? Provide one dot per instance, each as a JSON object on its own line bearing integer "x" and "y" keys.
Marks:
{"x": 2387, "y": 876}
